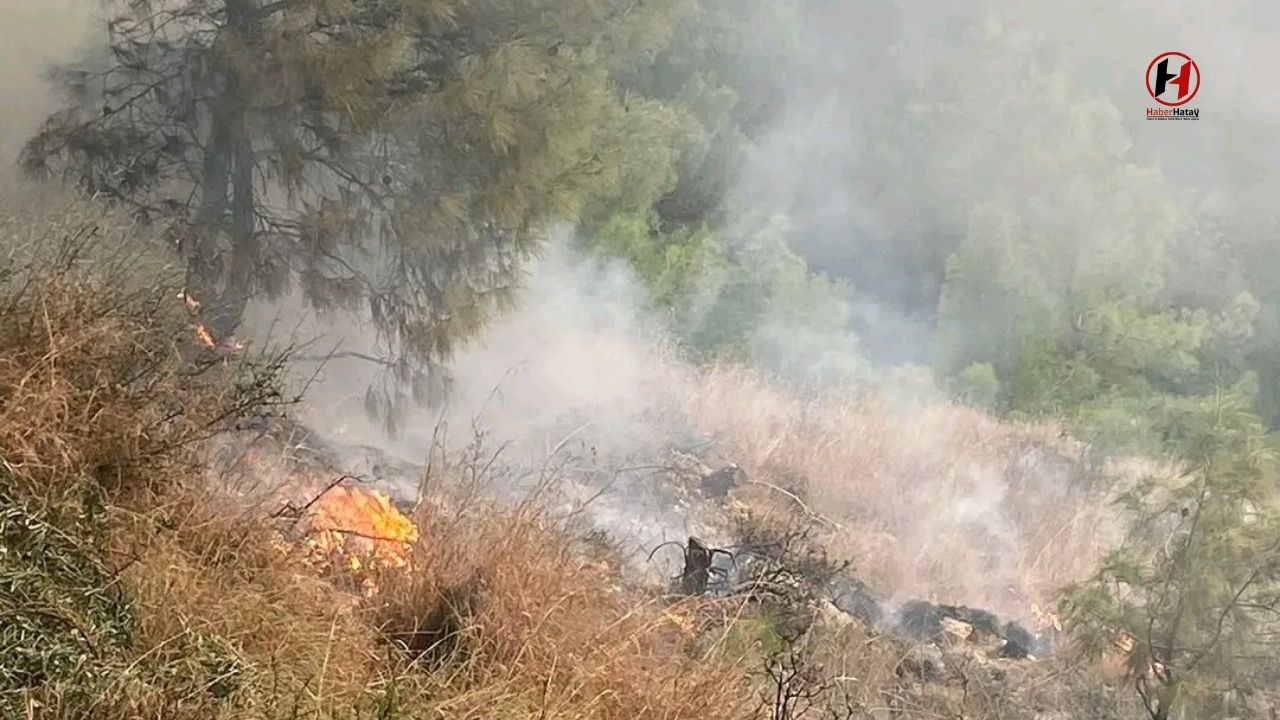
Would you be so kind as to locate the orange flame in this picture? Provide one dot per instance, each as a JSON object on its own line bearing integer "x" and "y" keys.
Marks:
{"x": 362, "y": 528}
{"x": 336, "y": 528}
{"x": 203, "y": 335}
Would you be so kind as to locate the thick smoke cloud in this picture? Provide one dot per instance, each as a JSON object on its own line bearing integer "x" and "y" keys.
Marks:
{"x": 33, "y": 35}
{"x": 576, "y": 354}
{"x": 898, "y": 118}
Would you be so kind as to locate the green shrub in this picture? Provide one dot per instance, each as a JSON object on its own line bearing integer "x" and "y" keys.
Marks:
{"x": 66, "y": 625}
{"x": 977, "y": 385}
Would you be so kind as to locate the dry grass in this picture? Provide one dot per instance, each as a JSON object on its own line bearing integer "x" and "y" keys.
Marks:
{"x": 533, "y": 623}
{"x": 936, "y": 501}
{"x": 929, "y": 499}
{"x": 105, "y": 410}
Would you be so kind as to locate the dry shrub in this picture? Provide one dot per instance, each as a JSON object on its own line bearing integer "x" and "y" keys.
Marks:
{"x": 201, "y": 568}
{"x": 519, "y": 618}
{"x": 106, "y": 410}
{"x": 97, "y": 379}
{"x": 927, "y": 498}
{"x": 872, "y": 676}
{"x": 934, "y": 500}
{"x": 104, "y": 405}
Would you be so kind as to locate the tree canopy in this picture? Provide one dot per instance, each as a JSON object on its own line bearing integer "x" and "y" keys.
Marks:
{"x": 403, "y": 156}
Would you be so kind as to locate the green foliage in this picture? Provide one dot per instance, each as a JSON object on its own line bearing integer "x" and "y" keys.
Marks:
{"x": 65, "y": 625}
{"x": 400, "y": 159}
{"x": 68, "y": 630}
{"x": 1195, "y": 587}
{"x": 996, "y": 299}
{"x": 750, "y": 299}
{"x": 977, "y": 384}
{"x": 722, "y": 66}
{"x": 753, "y": 638}
{"x": 1072, "y": 335}
{"x": 672, "y": 266}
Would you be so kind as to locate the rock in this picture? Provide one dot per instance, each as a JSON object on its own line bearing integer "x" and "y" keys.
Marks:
{"x": 1019, "y": 643}
{"x": 719, "y": 483}
{"x": 985, "y": 624}
{"x": 956, "y": 628}
{"x": 923, "y": 662}
{"x": 920, "y": 620}
{"x": 854, "y": 597}
{"x": 830, "y": 615}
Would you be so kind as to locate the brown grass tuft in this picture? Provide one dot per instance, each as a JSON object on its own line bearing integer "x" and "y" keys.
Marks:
{"x": 534, "y": 623}
{"x": 106, "y": 407}
{"x": 936, "y": 500}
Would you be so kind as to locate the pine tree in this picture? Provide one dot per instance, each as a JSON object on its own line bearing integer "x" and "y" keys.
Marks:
{"x": 1194, "y": 596}
{"x": 400, "y": 157}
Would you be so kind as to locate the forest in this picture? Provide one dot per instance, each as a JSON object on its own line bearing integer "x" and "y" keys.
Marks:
{"x": 876, "y": 251}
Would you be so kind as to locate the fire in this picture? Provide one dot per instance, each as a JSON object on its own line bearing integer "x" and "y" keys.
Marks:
{"x": 203, "y": 335}
{"x": 361, "y": 528}
{"x": 334, "y": 527}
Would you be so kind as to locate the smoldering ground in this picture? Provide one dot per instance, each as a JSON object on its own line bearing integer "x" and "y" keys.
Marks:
{"x": 926, "y": 499}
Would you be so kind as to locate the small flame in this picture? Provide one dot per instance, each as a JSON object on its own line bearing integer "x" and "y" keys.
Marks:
{"x": 205, "y": 337}
{"x": 338, "y": 529}
{"x": 361, "y": 526}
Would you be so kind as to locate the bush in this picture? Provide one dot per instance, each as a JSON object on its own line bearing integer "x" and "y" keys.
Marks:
{"x": 977, "y": 385}
{"x": 66, "y": 626}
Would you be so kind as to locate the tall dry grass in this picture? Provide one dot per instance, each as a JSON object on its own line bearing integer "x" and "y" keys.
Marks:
{"x": 931, "y": 500}
{"x": 107, "y": 409}
{"x": 926, "y": 497}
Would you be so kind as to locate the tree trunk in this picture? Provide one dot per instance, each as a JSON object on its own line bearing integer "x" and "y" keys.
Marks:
{"x": 697, "y": 568}
{"x": 221, "y": 277}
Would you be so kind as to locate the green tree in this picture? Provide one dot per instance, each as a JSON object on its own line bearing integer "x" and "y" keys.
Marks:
{"x": 673, "y": 266}
{"x": 977, "y": 384}
{"x": 400, "y": 157}
{"x": 723, "y": 65}
{"x": 1195, "y": 593}
{"x": 1061, "y": 279}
